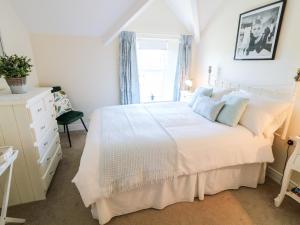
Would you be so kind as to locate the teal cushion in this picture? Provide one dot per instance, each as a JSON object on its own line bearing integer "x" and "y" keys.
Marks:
{"x": 202, "y": 91}
{"x": 233, "y": 110}
{"x": 208, "y": 108}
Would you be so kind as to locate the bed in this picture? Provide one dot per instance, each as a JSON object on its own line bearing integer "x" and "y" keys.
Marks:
{"x": 210, "y": 157}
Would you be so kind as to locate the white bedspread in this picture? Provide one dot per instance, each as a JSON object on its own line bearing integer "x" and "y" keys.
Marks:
{"x": 134, "y": 149}
{"x": 201, "y": 145}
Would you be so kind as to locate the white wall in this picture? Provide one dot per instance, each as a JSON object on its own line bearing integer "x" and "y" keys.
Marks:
{"x": 87, "y": 69}
{"x": 217, "y": 49}
{"x": 15, "y": 38}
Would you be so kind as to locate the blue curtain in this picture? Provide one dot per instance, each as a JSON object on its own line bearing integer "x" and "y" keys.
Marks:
{"x": 129, "y": 79}
{"x": 183, "y": 64}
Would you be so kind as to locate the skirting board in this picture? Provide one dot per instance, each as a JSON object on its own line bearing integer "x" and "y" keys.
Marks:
{"x": 277, "y": 176}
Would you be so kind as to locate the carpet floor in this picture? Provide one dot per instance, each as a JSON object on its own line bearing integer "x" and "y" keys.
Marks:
{"x": 245, "y": 206}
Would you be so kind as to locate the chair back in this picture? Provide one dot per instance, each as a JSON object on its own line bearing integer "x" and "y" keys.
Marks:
{"x": 56, "y": 89}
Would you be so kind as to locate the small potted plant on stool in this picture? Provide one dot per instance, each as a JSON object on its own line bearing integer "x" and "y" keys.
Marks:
{"x": 15, "y": 69}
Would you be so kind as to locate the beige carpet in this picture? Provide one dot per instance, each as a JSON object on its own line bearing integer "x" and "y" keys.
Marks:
{"x": 240, "y": 207}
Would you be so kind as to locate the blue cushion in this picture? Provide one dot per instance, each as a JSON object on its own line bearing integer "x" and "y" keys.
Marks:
{"x": 208, "y": 108}
{"x": 233, "y": 110}
{"x": 202, "y": 91}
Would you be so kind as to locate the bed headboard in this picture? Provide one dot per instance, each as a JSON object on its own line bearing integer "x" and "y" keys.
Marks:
{"x": 288, "y": 92}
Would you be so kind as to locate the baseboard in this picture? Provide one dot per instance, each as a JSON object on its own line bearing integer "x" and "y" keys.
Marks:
{"x": 277, "y": 176}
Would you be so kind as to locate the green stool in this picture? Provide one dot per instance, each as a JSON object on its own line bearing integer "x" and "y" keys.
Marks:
{"x": 68, "y": 118}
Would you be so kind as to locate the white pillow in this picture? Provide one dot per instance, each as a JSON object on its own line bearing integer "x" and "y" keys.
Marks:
{"x": 218, "y": 92}
{"x": 260, "y": 112}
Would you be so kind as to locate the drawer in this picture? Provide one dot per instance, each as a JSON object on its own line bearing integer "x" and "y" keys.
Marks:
{"x": 45, "y": 142}
{"x": 49, "y": 104}
{"x": 38, "y": 110}
{"x": 46, "y": 179}
{"x": 41, "y": 127}
{"x": 45, "y": 160}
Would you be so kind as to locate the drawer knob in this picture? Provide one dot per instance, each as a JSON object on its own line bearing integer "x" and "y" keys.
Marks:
{"x": 46, "y": 143}
{"x": 39, "y": 109}
{"x": 43, "y": 127}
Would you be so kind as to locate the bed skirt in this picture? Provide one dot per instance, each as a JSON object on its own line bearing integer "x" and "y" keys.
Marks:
{"x": 183, "y": 189}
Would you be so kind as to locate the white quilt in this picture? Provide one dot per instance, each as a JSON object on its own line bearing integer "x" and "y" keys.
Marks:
{"x": 201, "y": 146}
{"x": 134, "y": 149}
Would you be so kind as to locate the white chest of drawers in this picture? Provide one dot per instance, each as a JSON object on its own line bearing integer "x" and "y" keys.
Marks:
{"x": 28, "y": 123}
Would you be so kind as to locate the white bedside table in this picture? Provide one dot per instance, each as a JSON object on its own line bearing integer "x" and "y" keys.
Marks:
{"x": 293, "y": 164}
{"x": 8, "y": 165}
{"x": 185, "y": 96}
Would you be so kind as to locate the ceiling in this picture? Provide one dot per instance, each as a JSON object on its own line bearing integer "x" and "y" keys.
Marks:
{"x": 103, "y": 17}
{"x": 71, "y": 17}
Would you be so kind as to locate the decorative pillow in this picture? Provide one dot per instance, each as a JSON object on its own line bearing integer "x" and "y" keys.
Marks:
{"x": 218, "y": 92}
{"x": 260, "y": 111}
{"x": 233, "y": 110}
{"x": 62, "y": 103}
{"x": 201, "y": 91}
{"x": 207, "y": 107}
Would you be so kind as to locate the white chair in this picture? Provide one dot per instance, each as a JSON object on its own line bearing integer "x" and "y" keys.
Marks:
{"x": 8, "y": 165}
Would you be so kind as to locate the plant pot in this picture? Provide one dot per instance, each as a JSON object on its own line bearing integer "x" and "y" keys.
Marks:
{"x": 17, "y": 85}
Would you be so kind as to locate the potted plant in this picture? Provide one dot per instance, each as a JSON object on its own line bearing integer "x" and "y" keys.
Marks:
{"x": 15, "y": 69}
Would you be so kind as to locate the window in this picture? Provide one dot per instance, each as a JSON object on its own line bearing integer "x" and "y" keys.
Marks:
{"x": 157, "y": 60}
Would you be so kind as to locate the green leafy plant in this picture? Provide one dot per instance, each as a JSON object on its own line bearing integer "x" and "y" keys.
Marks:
{"x": 15, "y": 66}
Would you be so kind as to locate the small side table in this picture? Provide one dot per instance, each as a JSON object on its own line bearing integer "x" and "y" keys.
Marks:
{"x": 293, "y": 164}
{"x": 186, "y": 96}
{"x": 8, "y": 165}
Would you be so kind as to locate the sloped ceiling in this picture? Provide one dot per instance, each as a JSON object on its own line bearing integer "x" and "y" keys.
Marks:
{"x": 72, "y": 17}
{"x": 104, "y": 18}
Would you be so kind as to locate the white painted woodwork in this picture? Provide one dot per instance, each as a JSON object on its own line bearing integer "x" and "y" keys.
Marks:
{"x": 293, "y": 164}
{"x": 6, "y": 169}
{"x": 27, "y": 122}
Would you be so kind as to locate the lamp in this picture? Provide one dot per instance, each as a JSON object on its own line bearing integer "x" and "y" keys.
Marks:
{"x": 188, "y": 83}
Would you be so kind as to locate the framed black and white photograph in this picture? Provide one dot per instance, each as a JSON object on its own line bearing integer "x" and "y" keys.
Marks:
{"x": 258, "y": 32}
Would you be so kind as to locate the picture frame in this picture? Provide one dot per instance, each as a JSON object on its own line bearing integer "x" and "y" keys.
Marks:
{"x": 258, "y": 32}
